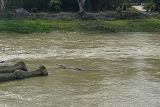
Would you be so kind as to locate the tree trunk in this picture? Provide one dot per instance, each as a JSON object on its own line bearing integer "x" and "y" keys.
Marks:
{"x": 81, "y": 6}
{"x": 20, "y": 74}
{"x": 10, "y": 69}
{"x": 2, "y": 5}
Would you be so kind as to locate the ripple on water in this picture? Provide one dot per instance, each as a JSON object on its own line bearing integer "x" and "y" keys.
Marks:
{"x": 123, "y": 65}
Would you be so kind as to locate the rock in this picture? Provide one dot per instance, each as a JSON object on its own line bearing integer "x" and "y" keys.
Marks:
{"x": 21, "y": 11}
{"x": 20, "y": 74}
{"x": 11, "y": 68}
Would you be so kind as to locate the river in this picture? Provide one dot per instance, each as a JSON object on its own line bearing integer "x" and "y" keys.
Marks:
{"x": 120, "y": 69}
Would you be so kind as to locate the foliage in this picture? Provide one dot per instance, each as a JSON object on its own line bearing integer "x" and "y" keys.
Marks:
{"x": 126, "y": 5}
{"x": 55, "y": 5}
{"x": 157, "y": 5}
{"x": 30, "y": 26}
{"x": 149, "y": 6}
{"x": 66, "y": 5}
{"x": 132, "y": 10}
{"x": 40, "y": 5}
{"x": 101, "y": 5}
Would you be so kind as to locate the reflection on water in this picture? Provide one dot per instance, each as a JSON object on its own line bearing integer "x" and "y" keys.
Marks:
{"x": 123, "y": 67}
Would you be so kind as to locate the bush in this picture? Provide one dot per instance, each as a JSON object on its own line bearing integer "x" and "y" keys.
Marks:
{"x": 132, "y": 10}
{"x": 55, "y": 5}
{"x": 149, "y": 7}
{"x": 126, "y": 6}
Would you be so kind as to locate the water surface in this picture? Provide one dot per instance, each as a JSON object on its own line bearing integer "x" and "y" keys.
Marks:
{"x": 122, "y": 70}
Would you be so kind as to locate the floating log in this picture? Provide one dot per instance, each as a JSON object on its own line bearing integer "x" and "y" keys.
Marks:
{"x": 10, "y": 69}
{"x": 20, "y": 74}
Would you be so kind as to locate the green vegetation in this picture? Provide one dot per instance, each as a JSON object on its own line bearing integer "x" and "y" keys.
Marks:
{"x": 64, "y": 5}
{"x": 157, "y": 5}
{"x": 149, "y": 6}
{"x": 75, "y": 5}
{"x": 31, "y": 26}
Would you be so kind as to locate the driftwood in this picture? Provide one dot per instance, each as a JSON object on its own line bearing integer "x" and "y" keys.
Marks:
{"x": 20, "y": 74}
{"x": 12, "y": 68}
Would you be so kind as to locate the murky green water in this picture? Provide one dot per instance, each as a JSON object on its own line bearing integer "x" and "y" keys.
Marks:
{"x": 123, "y": 68}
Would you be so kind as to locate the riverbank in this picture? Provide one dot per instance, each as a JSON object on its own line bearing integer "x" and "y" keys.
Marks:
{"x": 31, "y": 26}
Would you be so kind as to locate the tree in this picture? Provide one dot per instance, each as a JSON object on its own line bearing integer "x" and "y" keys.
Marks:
{"x": 81, "y": 5}
{"x": 157, "y": 5}
{"x": 102, "y": 5}
{"x": 40, "y": 5}
{"x": 2, "y": 5}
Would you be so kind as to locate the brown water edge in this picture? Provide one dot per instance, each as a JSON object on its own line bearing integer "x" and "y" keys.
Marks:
{"x": 123, "y": 67}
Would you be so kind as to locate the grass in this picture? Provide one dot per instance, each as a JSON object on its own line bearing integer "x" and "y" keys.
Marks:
{"x": 31, "y": 26}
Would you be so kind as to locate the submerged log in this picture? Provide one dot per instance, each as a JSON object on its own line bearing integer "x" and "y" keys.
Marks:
{"x": 10, "y": 69}
{"x": 72, "y": 68}
{"x": 1, "y": 61}
{"x": 20, "y": 74}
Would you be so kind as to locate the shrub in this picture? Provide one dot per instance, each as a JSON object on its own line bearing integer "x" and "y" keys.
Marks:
{"x": 55, "y": 5}
{"x": 148, "y": 6}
